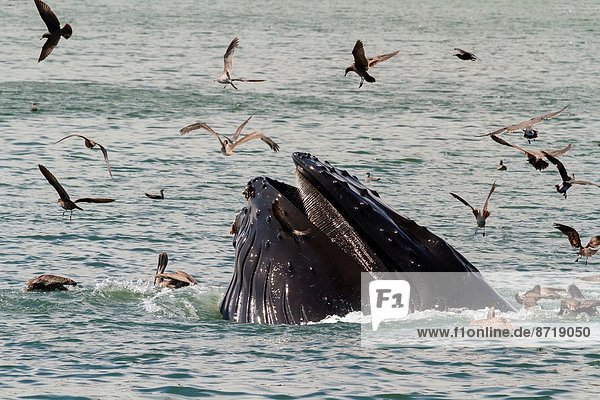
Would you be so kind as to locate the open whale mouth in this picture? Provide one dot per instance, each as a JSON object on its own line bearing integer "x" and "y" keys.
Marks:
{"x": 300, "y": 251}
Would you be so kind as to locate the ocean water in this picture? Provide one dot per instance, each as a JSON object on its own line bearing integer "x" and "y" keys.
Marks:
{"x": 134, "y": 73}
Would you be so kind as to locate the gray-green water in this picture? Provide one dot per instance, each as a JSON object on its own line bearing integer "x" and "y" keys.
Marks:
{"x": 133, "y": 73}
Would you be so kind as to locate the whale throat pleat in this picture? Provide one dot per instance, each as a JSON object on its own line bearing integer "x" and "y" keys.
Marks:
{"x": 324, "y": 216}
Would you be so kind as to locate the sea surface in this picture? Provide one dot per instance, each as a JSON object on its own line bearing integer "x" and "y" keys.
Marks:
{"x": 135, "y": 72}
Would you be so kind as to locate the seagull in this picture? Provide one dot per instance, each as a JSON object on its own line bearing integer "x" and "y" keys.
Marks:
{"x": 54, "y": 30}
{"x": 535, "y": 158}
{"x": 371, "y": 178}
{"x": 577, "y": 303}
{"x": 89, "y": 143}
{"x": 49, "y": 283}
{"x": 227, "y": 144}
{"x": 567, "y": 181}
{"x": 530, "y": 298}
{"x": 173, "y": 280}
{"x": 65, "y": 201}
{"x": 480, "y": 216}
{"x": 160, "y": 196}
{"x": 587, "y": 251}
{"x": 361, "y": 64}
{"x": 501, "y": 166}
{"x": 525, "y": 126}
{"x": 465, "y": 55}
{"x": 225, "y": 78}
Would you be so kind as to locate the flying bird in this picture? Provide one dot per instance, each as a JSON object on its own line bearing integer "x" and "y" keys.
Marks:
{"x": 225, "y": 77}
{"x": 54, "y": 30}
{"x": 465, "y": 55}
{"x": 361, "y": 64}
{"x": 65, "y": 201}
{"x": 534, "y": 157}
{"x": 577, "y": 303}
{"x": 90, "y": 144}
{"x": 227, "y": 144}
{"x": 567, "y": 181}
{"x": 173, "y": 280}
{"x": 48, "y": 283}
{"x": 589, "y": 250}
{"x": 480, "y": 216}
{"x": 525, "y": 126}
{"x": 160, "y": 196}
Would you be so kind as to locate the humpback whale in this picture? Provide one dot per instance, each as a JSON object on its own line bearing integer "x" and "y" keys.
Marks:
{"x": 300, "y": 251}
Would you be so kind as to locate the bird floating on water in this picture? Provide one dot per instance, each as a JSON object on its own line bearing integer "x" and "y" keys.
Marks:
{"x": 48, "y": 283}
{"x": 371, "y": 178}
{"x": 54, "y": 30}
{"x": 160, "y": 196}
{"x": 225, "y": 77}
{"x": 482, "y": 215}
{"x": 577, "y": 303}
{"x": 501, "y": 166}
{"x": 534, "y": 157}
{"x": 227, "y": 144}
{"x": 65, "y": 201}
{"x": 465, "y": 55}
{"x": 173, "y": 280}
{"x": 589, "y": 250}
{"x": 531, "y": 297}
{"x": 361, "y": 64}
{"x": 34, "y": 107}
{"x": 567, "y": 180}
{"x": 89, "y": 143}
{"x": 525, "y": 126}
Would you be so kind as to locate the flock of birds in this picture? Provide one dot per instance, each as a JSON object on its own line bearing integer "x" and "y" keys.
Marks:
{"x": 361, "y": 66}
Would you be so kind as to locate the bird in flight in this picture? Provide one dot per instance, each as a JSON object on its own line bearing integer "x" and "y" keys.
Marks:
{"x": 173, "y": 280}
{"x": 65, "y": 201}
{"x": 526, "y": 126}
{"x": 227, "y": 144}
{"x": 48, "y": 283}
{"x": 160, "y": 196}
{"x": 534, "y": 157}
{"x": 54, "y": 30}
{"x": 482, "y": 215}
{"x": 567, "y": 180}
{"x": 589, "y": 250}
{"x": 89, "y": 143}
{"x": 361, "y": 64}
{"x": 225, "y": 77}
{"x": 465, "y": 55}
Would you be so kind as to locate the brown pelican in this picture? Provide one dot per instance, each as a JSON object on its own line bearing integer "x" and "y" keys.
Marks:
{"x": 65, "y": 201}
{"x": 49, "y": 283}
{"x": 587, "y": 251}
{"x": 567, "y": 181}
{"x": 480, "y": 216}
{"x": 530, "y": 298}
{"x": 534, "y": 157}
{"x": 525, "y": 126}
{"x": 227, "y": 144}
{"x": 492, "y": 321}
{"x": 54, "y": 30}
{"x": 361, "y": 64}
{"x": 173, "y": 280}
{"x": 89, "y": 143}
{"x": 465, "y": 55}
{"x": 577, "y": 303}
{"x": 225, "y": 77}
{"x": 160, "y": 196}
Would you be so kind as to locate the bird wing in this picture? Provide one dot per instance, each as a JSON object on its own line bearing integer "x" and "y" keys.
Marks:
{"x": 360, "y": 60}
{"x": 68, "y": 136}
{"x": 105, "y": 155}
{"x": 257, "y": 135}
{"x": 498, "y": 139}
{"x": 201, "y": 125}
{"x": 594, "y": 242}
{"x": 580, "y": 182}
{"x": 461, "y": 51}
{"x": 228, "y": 57}
{"x": 561, "y": 168}
{"x": 240, "y": 128}
{"x": 373, "y": 61}
{"x": 54, "y": 182}
{"x": 48, "y": 47}
{"x": 487, "y": 200}
{"x": 526, "y": 124}
{"x": 93, "y": 200}
{"x": 571, "y": 234}
{"x": 48, "y": 16}
{"x": 457, "y": 197}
